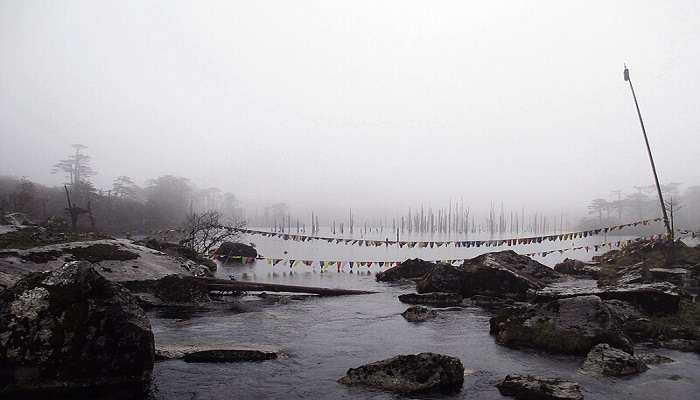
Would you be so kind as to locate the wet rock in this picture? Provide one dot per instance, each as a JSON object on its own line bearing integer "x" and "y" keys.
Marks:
{"x": 410, "y": 374}
{"x": 419, "y": 314}
{"x": 213, "y": 354}
{"x": 653, "y": 359}
{"x": 227, "y": 355}
{"x": 570, "y": 325}
{"x": 500, "y": 274}
{"x": 409, "y": 269}
{"x": 442, "y": 278}
{"x": 606, "y": 360}
{"x": 578, "y": 268}
{"x": 72, "y": 329}
{"x": 233, "y": 249}
{"x": 528, "y": 387}
{"x": 437, "y": 299}
{"x": 171, "y": 290}
{"x": 654, "y": 298}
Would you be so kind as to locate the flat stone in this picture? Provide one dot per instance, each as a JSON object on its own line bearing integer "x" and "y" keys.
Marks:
{"x": 528, "y": 387}
{"x": 214, "y": 354}
{"x": 658, "y": 297}
{"x": 434, "y": 299}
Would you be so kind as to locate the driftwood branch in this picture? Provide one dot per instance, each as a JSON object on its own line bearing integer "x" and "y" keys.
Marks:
{"x": 226, "y": 285}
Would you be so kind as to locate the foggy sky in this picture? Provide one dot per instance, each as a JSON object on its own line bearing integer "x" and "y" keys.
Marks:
{"x": 367, "y": 104}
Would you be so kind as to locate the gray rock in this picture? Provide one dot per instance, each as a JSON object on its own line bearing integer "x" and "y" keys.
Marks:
{"x": 654, "y": 298}
{"x": 235, "y": 249}
{"x": 499, "y": 274}
{"x": 571, "y": 325}
{"x": 437, "y": 299}
{"x": 409, "y": 269}
{"x": 410, "y": 374}
{"x": 215, "y": 354}
{"x": 126, "y": 261}
{"x": 419, "y": 314}
{"x": 528, "y": 387}
{"x": 72, "y": 329}
{"x": 606, "y": 360}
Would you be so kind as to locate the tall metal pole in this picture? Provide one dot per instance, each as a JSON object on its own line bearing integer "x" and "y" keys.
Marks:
{"x": 651, "y": 158}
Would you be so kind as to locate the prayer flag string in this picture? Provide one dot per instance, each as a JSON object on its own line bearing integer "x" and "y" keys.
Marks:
{"x": 450, "y": 243}
{"x": 340, "y": 264}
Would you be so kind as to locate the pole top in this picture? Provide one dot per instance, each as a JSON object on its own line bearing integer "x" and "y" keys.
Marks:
{"x": 627, "y": 73}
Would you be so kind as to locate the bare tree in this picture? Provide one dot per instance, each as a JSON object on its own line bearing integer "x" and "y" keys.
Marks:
{"x": 205, "y": 230}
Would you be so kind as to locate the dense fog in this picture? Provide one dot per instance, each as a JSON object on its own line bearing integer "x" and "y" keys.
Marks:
{"x": 289, "y": 108}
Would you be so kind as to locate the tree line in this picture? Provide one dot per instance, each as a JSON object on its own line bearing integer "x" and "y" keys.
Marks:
{"x": 642, "y": 202}
{"x": 163, "y": 202}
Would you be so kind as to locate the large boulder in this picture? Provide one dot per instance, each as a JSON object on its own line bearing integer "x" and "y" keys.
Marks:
{"x": 410, "y": 374}
{"x": 118, "y": 260}
{"x": 606, "y": 360}
{"x": 437, "y": 299}
{"x": 528, "y": 387}
{"x": 578, "y": 268}
{"x": 654, "y": 298}
{"x": 409, "y": 269}
{"x": 235, "y": 249}
{"x": 72, "y": 329}
{"x": 442, "y": 278}
{"x": 571, "y": 325}
{"x": 500, "y": 274}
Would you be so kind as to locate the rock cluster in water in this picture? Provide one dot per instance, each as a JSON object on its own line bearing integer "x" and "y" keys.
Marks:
{"x": 500, "y": 274}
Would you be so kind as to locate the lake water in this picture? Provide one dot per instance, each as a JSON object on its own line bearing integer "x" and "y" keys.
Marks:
{"x": 320, "y": 338}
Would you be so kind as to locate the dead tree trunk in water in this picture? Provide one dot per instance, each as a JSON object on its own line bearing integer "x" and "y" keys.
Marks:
{"x": 226, "y": 285}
